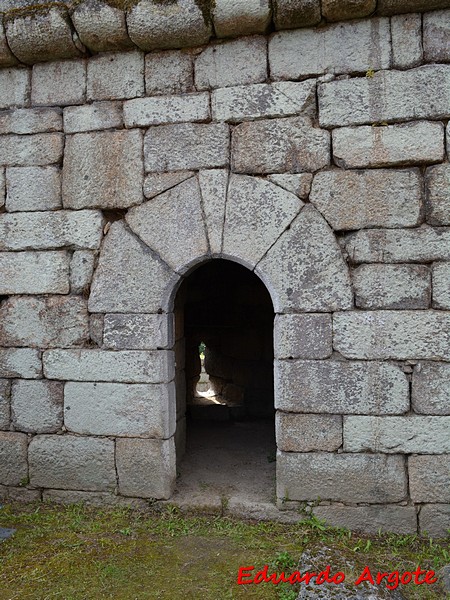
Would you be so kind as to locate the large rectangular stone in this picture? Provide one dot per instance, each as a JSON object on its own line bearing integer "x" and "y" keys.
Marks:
{"x": 429, "y": 478}
{"x": 14, "y": 87}
{"x": 126, "y": 366}
{"x": 30, "y": 120}
{"x": 5, "y": 389}
{"x": 352, "y": 47}
{"x": 159, "y": 110}
{"x": 120, "y": 409}
{"x": 92, "y": 117}
{"x": 248, "y": 102}
{"x": 436, "y": 36}
{"x": 441, "y": 285}
{"x": 422, "y": 93}
{"x": 370, "y": 519}
{"x": 397, "y": 335}
{"x": 13, "y": 458}
{"x": 59, "y": 83}
{"x": 430, "y": 392}
{"x": 406, "y": 434}
{"x": 373, "y": 198}
{"x": 437, "y": 188}
{"x": 137, "y": 332}
{"x": 37, "y": 406}
{"x": 303, "y": 336}
{"x": 115, "y": 75}
{"x": 307, "y": 433}
{"x": 55, "y": 229}
{"x": 186, "y": 146}
{"x": 407, "y": 49}
{"x": 424, "y": 244}
{"x": 279, "y": 146}
{"x": 20, "y": 362}
{"x": 340, "y": 387}
{"x": 40, "y": 272}
{"x": 372, "y": 478}
{"x": 31, "y": 150}
{"x": 68, "y": 462}
{"x": 33, "y": 188}
{"x": 391, "y": 145}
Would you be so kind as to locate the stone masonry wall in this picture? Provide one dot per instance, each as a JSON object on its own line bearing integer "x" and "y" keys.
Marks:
{"x": 316, "y": 157}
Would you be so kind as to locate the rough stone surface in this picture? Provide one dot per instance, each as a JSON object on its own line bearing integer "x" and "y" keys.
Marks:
{"x": 14, "y": 87}
{"x": 214, "y": 189}
{"x": 334, "y": 387}
{"x": 441, "y": 285}
{"x": 238, "y": 62}
{"x": 167, "y": 25}
{"x": 436, "y": 36}
{"x": 81, "y": 269}
{"x": 308, "y": 433}
{"x": 33, "y": 188}
{"x": 67, "y": 462}
{"x": 103, "y": 169}
{"x": 146, "y": 468}
{"x": 36, "y": 406}
{"x": 30, "y": 120}
{"x": 279, "y": 146}
{"x": 13, "y": 458}
{"x": 434, "y": 519}
{"x": 168, "y": 72}
{"x": 120, "y": 409}
{"x": 373, "y": 478}
{"x": 126, "y": 366}
{"x": 297, "y": 184}
{"x": 437, "y": 186}
{"x": 41, "y": 272}
{"x": 373, "y": 198}
{"x": 99, "y": 115}
{"x": 405, "y": 335}
{"x": 257, "y": 213}
{"x": 336, "y": 10}
{"x": 186, "y": 146}
{"x": 5, "y": 388}
{"x": 429, "y": 478}
{"x": 370, "y": 519}
{"x": 290, "y": 14}
{"x": 250, "y": 102}
{"x": 392, "y": 286}
{"x": 60, "y": 83}
{"x": 31, "y": 150}
{"x": 20, "y": 362}
{"x": 240, "y": 17}
{"x": 137, "y": 332}
{"x": 430, "y": 393}
{"x": 112, "y": 76}
{"x": 50, "y": 322}
{"x": 171, "y": 224}
{"x": 392, "y": 145}
{"x": 423, "y": 244}
{"x": 388, "y": 96}
{"x": 159, "y": 110}
{"x": 406, "y": 434}
{"x": 406, "y": 32}
{"x": 303, "y": 336}
{"x": 306, "y": 268}
{"x": 352, "y": 47}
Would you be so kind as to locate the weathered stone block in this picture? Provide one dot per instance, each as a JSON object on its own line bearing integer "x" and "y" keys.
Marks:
{"x": 112, "y": 76}
{"x": 92, "y": 117}
{"x": 405, "y": 335}
{"x": 240, "y": 17}
{"x": 168, "y": 24}
{"x": 250, "y": 102}
{"x": 172, "y": 224}
{"x": 422, "y": 93}
{"x": 430, "y": 393}
{"x": 336, "y": 10}
{"x": 441, "y": 285}
{"x": 14, "y": 87}
{"x": 146, "y": 468}
{"x": 429, "y": 478}
{"x": 373, "y": 478}
{"x": 126, "y": 366}
{"x": 33, "y": 188}
{"x": 260, "y": 207}
{"x": 186, "y": 146}
{"x": 423, "y": 244}
{"x": 370, "y": 519}
{"x": 214, "y": 190}
{"x": 306, "y": 268}
{"x": 352, "y": 47}
{"x": 279, "y": 146}
{"x": 405, "y": 434}
{"x": 103, "y": 169}
{"x": 37, "y": 406}
{"x": 303, "y": 336}
{"x": 31, "y": 150}
{"x": 41, "y": 272}
{"x": 392, "y": 145}
{"x": 437, "y": 186}
{"x": 20, "y": 362}
{"x": 51, "y": 322}
{"x": 137, "y": 332}
{"x": 55, "y": 229}
{"x": 238, "y": 62}
{"x": 120, "y": 409}
{"x": 290, "y": 14}
{"x": 81, "y": 270}
{"x": 334, "y": 387}
{"x": 299, "y": 184}
{"x": 434, "y": 519}
{"x": 5, "y": 389}
{"x": 406, "y": 32}
{"x": 308, "y": 433}
{"x": 30, "y": 120}
{"x": 59, "y": 83}
{"x": 159, "y": 110}
{"x": 168, "y": 72}
{"x": 69, "y": 462}
{"x": 13, "y": 458}
{"x": 436, "y": 36}
{"x": 392, "y": 286}
{"x": 372, "y": 198}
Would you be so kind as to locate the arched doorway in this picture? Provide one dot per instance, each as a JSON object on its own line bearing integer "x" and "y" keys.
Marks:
{"x": 225, "y": 439}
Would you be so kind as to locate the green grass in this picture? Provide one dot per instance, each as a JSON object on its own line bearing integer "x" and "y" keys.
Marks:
{"x": 76, "y": 553}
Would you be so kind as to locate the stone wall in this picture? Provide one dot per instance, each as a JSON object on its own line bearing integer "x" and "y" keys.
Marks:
{"x": 315, "y": 157}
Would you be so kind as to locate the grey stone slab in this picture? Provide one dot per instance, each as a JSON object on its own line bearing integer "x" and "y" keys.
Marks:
{"x": 169, "y": 72}
{"x": 303, "y": 336}
{"x": 429, "y": 478}
{"x": 113, "y": 76}
{"x": 20, "y": 362}
{"x": 430, "y": 392}
{"x": 214, "y": 190}
{"x": 37, "y": 406}
{"x": 240, "y": 17}
{"x": 30, "y": 120}
{"x": 340, "y": 387}
{"x": 441, "y": 285}
{"x": 13, "y": 458}
{"x": 137, "y": 332}
{"x": 437, "y": 189}
{"x": 407, "y": 48}
{"x": 308, "y": 433}
{"x": 93, "y": 117}
{"x": 31, "y": 150}
{"x": 33, "y": 188}
{"x": 370, "y": 519}
{"x": 41, "y": 272}
{"x": 59, "y": 83}
{"x": 436, "y": 36}
{"x": 15, "y": 88}
{"x": 160, "y": 110}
